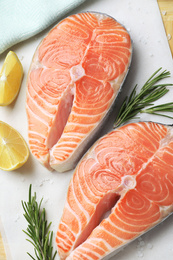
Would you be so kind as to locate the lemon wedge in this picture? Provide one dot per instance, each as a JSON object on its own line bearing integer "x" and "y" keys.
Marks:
{"x": 14, "y": 151}
{"x": 10, "y": 78}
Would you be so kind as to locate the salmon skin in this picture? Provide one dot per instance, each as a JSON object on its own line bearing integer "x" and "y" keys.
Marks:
{"x": 128, "y": 172}
{"x": 73, "y": 81}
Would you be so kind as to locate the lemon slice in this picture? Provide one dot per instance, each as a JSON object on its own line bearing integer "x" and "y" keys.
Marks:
{"x": 14, "y": 151}
{"x": 10, "y": 78}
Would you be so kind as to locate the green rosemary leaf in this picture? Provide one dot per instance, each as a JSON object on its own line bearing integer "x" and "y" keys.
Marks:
{"x": 45, "y": 251}
{"x": 30, "y": 240}
{"x": 37, "y": 254}
{"x": 38, "y": 229}
{"x": 152, "y": 76}
{"x": 133, "y": 94}
{"x": 123, "y": 107}
{"x": 150, "y": 92}
{"x": 43, "y": 226}
{"x": 158, "y": 114}
{"x": 31, "y": 256}
{"x": 50, "y": 248}
{"x": 48, "y": 226}
{"x": 168, "y": 107}
{"x": 30, "y": 197}
{"x": 27, "y": 217}
{"x": 54, "y": 256}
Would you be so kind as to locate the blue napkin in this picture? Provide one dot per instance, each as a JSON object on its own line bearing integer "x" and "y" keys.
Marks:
{"x": 21, "y": 19}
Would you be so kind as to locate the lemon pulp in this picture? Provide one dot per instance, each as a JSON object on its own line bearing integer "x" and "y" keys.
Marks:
{"x": 14, "y": 151}
{"x": 10, "y": 78}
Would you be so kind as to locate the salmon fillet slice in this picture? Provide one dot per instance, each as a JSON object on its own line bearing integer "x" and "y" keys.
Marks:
{"x": 128, "y": 172}
{"x": 74, "y": 79}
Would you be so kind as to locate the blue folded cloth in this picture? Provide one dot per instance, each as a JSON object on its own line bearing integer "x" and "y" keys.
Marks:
{"x": 21, "y": 19}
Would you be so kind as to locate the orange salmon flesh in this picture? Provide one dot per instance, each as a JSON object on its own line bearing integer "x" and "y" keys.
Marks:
{"x": 73, "y": 81}
{"x": 128, "y": 173}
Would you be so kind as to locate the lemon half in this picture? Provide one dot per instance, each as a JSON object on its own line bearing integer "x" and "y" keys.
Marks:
{"x": 14, "y": 151}
{"x": 10, "y": 78}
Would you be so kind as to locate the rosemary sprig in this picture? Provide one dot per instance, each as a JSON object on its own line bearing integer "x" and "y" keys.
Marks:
{"x": 38, "y": 229}
{"x": 149, "y": 93}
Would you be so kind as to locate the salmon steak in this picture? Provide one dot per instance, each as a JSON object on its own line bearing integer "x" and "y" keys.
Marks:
{"x": 75, "y": 76}
{"x": 121, "y": 188}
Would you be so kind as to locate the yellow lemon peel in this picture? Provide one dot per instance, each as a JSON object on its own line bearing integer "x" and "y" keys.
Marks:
{"x": 14, "y": 151}
{"x": 10, "y": 78}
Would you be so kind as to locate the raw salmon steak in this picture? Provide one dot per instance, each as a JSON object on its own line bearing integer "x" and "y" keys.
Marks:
{"x": 74, "y": 78}
{"x": 121, "y": 188}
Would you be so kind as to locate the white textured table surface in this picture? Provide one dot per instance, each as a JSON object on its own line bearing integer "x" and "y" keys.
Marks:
{"x": 150, "y": 51}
